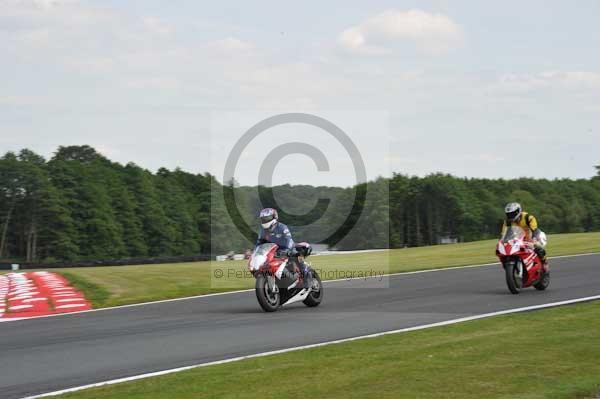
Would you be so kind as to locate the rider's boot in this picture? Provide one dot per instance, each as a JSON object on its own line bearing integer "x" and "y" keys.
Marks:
{"x": 541, "y": 252}
{"x": 290, "y": 275}
{"x": 544, "y": 260}
{"x": 545, "y": 268}
{"x": 308, "y": 278}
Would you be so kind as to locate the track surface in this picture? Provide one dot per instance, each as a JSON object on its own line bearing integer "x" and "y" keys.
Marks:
{"x": 48, "y": 354}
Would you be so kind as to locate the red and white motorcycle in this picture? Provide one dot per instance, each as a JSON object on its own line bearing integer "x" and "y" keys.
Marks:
{"x": 279, "y": 280}
{"x": 522, "y": 266}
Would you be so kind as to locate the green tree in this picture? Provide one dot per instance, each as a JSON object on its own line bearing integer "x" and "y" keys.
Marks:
{"x": 80, "y": 205}
{"x": 83, "y": 176}
{"x": 158, "y": 229}
{"x": 10, "y": 193}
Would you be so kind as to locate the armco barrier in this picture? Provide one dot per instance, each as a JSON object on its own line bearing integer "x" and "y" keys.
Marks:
{"x": 106, "y": 262}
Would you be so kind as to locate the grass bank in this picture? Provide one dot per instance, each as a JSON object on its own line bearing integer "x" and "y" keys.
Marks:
{"x": 546, "y": 354}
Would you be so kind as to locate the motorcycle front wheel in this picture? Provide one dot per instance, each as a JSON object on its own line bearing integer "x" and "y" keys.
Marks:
{"x": 514, "y": 276}
{"x": 268, "y": 299}
{"x": 543, "y": 283}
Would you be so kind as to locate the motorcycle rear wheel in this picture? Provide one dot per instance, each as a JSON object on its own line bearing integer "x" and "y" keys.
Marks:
{"x": 315, "y": 297}
{"x": 267, "y": 299}
{"x": 513, "y": 281}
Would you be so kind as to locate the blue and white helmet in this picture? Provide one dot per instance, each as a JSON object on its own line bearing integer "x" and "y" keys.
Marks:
{"x": 268, "y": 218}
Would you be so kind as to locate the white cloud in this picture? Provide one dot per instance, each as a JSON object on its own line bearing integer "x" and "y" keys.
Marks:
{"x": 431, "y": 33}
{"x": 567, "y": 80}
{"x": 49, "y": 3}
{"x": 30, "y": 13}
{"x": 158, "y": 82}
{"x": 231, "y": 44}
{"x": 574, "y": 79}
{"x": 592, "y": 108}
{"x": 36, "y": 38}
{"x": 91, "y": 64}
{"x": 155, "y": 25}
{"x": 82, "y": 44}
{"x": 23, "y": 101}
{"x": 64, "y": 26}
{"x": 107, "y": 150}
{"x": 37, "y": 4}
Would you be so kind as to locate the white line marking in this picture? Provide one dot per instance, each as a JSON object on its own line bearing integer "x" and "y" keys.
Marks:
{"x": 252, "y": 289}
{"x": 72, "y": 305}
{"x": 317, "y": 345}
{"x": 19, "y": 307}
{"x": 70, "y": 300}
{"x": 34, "y": 300}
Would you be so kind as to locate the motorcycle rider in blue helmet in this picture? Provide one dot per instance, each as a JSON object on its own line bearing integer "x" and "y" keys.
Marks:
{"x": 273, "y": 231}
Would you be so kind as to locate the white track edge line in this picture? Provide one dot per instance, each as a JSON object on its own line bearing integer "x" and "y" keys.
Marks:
{"x": 252, "y": 289}
{"x": 317, "y": 345}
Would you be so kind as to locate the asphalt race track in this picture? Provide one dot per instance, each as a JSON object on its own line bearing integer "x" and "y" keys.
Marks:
{"x": 48, "y": 354}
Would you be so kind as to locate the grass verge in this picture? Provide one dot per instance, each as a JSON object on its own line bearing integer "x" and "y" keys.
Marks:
{"x": 94, "y": 293}
{"x": 550, "y": 353}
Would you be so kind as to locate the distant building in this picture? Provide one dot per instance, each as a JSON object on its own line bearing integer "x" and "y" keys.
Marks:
{"x": 447, "y": 239}
{"x": 319, "y": 247}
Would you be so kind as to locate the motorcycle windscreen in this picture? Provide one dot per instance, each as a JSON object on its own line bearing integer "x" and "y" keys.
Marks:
{"x": 513, "y": 233}
{"x": 259, "y": 257}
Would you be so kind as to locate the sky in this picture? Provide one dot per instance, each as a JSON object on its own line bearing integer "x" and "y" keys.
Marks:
{"x": 477, "y": 89}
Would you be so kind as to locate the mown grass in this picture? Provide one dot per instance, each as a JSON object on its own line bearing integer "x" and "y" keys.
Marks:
{"x": 111, "y": 286}
{"x": 546, "y": 354}
{"x": 94, "y": 293}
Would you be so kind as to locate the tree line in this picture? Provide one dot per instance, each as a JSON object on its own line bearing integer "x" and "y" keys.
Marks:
{"x": 79, "y": 205}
